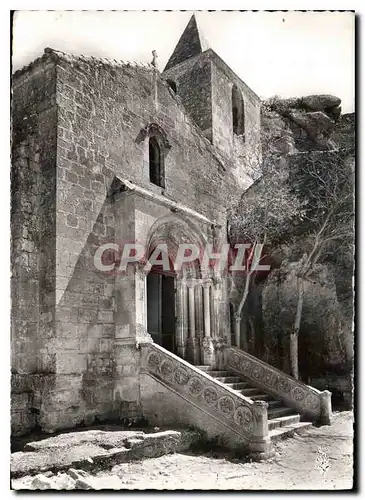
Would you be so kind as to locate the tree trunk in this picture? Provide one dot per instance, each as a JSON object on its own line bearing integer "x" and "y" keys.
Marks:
{"x": 252, "y": 336}
{"x": 237, "y": 329}
{"x": 237, "y": 316}
{"x": 237, "y": 325}
{"x": 295, "y": 333}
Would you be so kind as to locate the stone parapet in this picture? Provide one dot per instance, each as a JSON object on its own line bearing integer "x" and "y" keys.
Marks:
{"x": 307, "y": 400}
{"x": 175, "y": 392}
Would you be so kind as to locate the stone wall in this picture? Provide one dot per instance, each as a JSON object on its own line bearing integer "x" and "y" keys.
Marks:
{"x": 193, "y": 79}
{"x": 204, "y": 85}
{"x": 33, "y": 214}
{"x": 243, "y": 151}
{"x": 93, "y": 134}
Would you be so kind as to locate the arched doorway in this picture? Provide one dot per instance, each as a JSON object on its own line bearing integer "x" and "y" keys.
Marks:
{"x": 161, "y": 307}
{"x": 179, "y": 304}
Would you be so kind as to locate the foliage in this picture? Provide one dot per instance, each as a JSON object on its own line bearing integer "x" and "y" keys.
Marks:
{"x": 302, "y": 198}
{"x": 262, "y": 215}
{"x": 322, "y": 182}
{"x": 265, "y": 211}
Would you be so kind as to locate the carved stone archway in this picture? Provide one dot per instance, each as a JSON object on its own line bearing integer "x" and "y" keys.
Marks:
{"x": 194, "y": 311}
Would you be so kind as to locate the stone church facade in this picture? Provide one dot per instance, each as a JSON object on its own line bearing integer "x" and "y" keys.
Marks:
{"x": 110, "y": 151}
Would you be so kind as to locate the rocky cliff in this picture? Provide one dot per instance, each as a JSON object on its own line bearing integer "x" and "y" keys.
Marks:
{"x": 292, "y": 128}
{"x": 301, "y": 124}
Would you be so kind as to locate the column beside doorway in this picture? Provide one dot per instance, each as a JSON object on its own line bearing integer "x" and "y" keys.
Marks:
{"x": 181, "y": 317}
{"x": 207, "y": 344}
{"x": 192, "y": 340}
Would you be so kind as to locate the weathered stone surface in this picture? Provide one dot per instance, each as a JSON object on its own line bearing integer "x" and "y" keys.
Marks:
{"x": 73, "y": 479}
{"x": 316, "y": 123}
{"x": 67, "y": 153}
{"x": 98, "y": 437}
{"x": 41, "y": 482}
{"x": 90, "y": 448}
{"x": 221, "y": 472}
{"x": 320, "y": 102}
{"x": 80, "y": 178}
{"x": 205, "y": 88}
{"x": 84, "y": 484}
{"x": 300, "y": 123}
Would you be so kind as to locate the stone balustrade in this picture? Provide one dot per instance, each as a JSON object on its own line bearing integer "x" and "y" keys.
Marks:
{"x": 206, "y": 401}
{"x": 307, "y": 400}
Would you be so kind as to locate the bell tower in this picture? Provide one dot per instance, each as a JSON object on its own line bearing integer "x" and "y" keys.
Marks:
{"x": 189, "y": 74}
{"x": 190, "y": 44}
{"x": 221, "y": 104}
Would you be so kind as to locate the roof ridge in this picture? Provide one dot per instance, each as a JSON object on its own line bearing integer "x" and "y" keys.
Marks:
{"x": 204, "y": 42}
{"x": 104, "y": 60}
{"x": 70, "y": 57}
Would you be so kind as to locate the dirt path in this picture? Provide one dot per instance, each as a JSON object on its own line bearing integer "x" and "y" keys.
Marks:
{"x": 320, "y": 458}
{"x": 296, "y": 465}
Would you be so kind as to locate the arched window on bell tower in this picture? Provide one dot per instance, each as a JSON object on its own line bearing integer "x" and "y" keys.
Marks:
{"x": 238, "y": 112}
{"x": 172, "y": 85}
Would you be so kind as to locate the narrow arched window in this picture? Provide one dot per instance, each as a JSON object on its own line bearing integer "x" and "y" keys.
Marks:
{"x": 172, "y": 85}
{"x": 238, "y": 112}
{"x": 156, "y": 176}
{"x": 156, "y": 147}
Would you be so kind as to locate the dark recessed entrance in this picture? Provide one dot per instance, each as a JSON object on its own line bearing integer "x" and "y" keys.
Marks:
{"x": 161, "y": 309}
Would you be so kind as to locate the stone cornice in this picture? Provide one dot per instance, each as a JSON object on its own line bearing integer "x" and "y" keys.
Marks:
{"x": 162, "y": 200}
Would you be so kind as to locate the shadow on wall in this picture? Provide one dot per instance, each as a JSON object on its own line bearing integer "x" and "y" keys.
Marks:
{"x": 85, "y": 338}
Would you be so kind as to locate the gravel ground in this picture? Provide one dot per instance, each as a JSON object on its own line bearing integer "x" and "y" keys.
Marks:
{"x": 319, "y": 458}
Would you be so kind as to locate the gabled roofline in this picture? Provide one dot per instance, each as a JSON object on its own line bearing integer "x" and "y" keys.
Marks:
{"x": 230, "y": 70}
{"x": 53, "y": 54}
{"x": 186, "y": 45}
{"x": 211, "y": 54}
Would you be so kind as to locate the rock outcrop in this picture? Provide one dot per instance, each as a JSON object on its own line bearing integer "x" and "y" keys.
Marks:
{"x": 301, "y": 124}
{"x": 291, "y": 127}
{"x": 87, "y": 449}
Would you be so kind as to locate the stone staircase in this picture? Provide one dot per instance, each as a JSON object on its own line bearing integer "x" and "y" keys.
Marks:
{"x": 243, "y": 402}
{"x": 283, "y": 421}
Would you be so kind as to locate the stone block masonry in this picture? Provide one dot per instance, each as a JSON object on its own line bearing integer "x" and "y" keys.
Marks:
{"x": 204, "y": 85}
{"x": 77, "y": 126}
{"x": 106, "y": 152}
{"x": 33, "y": 243}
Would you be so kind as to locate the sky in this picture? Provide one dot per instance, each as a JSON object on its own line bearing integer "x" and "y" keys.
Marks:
{"x": 276, "y": 53}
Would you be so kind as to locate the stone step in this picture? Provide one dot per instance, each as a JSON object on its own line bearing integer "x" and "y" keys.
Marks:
{"x": 279, "y": 417}
{"x": 261, "y": 397}
{"x": 288, "y": 430}
{"x": 274, "y": 403}
{"x": 283, "y": 421}
{"x": 251, "y": 391}
{"x": 228, "y": 379}
{"x": 280, "y": 412}
{"x": 218, "y": 373}
{"x": 238, "y": 385}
